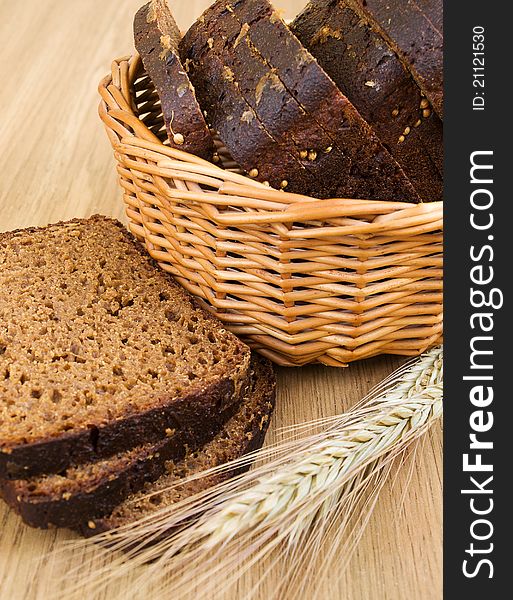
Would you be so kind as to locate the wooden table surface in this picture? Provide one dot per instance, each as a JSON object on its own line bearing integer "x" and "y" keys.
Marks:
{"x": 56, "y": 164}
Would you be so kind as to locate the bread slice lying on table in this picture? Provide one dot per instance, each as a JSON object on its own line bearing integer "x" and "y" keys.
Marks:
{"x": 86, "y": 497}
{"x": 243, "y": 433}
{"x": 101, "y": 351}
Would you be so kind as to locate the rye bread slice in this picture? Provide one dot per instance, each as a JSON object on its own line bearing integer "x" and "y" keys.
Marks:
{"x": 249, "y": 142}
{"x": 100, "y": 350}
{"x": 414, "y": 28}
{"x": 243, "y": 432}
{"x": 365, "y": 169}
{"x": 156, "y": 37}
{"x": 275, "y": 107}
{"x": 369, "y": 72}
{"x": 90, "y": 489}
{"x": 93, "y": 490}
{"x": 330, "y": 158}
{"x": 373, "y": 172}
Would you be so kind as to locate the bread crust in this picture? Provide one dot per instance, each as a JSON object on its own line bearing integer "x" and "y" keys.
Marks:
{"x": 294, "y": 130}
{"x": 52, "y": 502}
{"x": 53, "y": 455}
{"x": 371, "y": 171}
{"x": 251, "y": 145}
{"x": 252, "y": 439}
{"x": 47, "y": 510}
{"x": 41, "y": 506}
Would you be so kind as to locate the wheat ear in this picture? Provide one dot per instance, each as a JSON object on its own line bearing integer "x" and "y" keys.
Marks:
{"x": 310, "y": 491}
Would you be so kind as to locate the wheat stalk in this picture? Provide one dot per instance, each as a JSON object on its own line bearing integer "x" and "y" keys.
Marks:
{"x": 309, "y": 490}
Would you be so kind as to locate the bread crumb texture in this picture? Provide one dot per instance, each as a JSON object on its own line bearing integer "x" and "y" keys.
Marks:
{"x": 245, "y": 428}
{"x": 92, "y": 331}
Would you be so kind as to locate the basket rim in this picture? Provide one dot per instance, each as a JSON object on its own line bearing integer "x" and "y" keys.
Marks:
{"x": 125, "y": 129}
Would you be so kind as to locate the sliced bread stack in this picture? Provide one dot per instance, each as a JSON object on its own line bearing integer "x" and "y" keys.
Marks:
{"x": 280, "y": 115}
{"x": 111, "y": 377}
{"x": 336, "y": 105}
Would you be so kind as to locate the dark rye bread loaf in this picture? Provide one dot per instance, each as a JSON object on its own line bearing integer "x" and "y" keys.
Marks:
{"x": 354, "y": 164}
{"x": 414, "y": 28}
{"x": 243, "y": 433}
{"x": 93, "y": 490}
{"x": 260, "y": 86}
{"x": 156, "y": 38}
{"x": 369, "y": 72}
{"x": 100, "y": 350}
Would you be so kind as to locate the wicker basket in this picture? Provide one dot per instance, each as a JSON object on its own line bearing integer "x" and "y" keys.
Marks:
{"x": 301, "y": 280}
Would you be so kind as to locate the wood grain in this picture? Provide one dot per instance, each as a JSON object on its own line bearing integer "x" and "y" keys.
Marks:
{"x": 56, "y": 164}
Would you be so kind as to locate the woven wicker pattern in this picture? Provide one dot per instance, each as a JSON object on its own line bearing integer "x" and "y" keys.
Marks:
{"x": 301, "y": 280}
